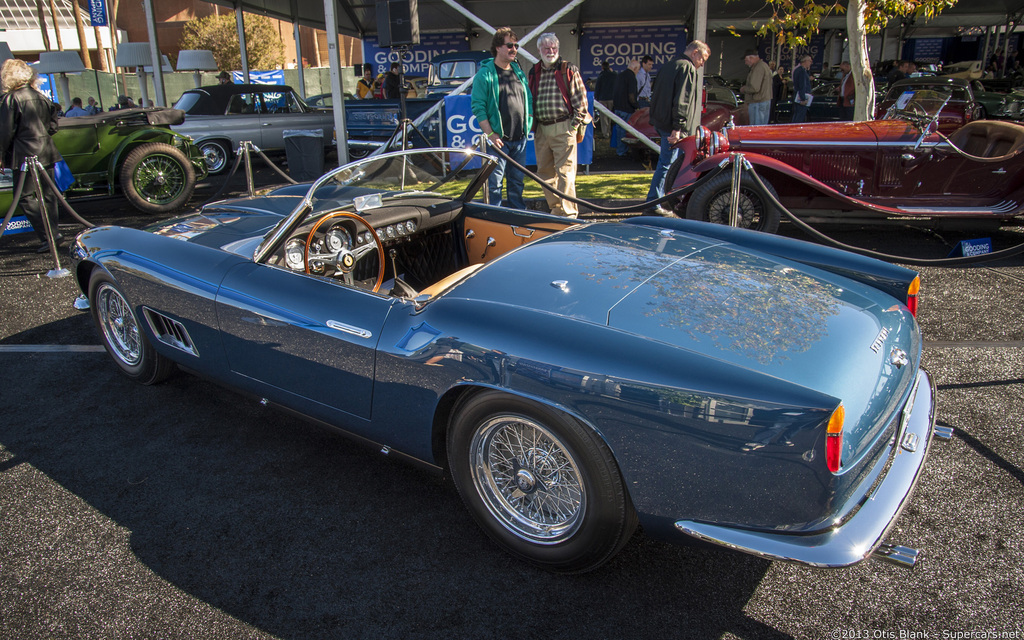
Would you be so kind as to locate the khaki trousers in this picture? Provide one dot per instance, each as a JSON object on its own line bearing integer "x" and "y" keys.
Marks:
{"x": 555, "y": 146}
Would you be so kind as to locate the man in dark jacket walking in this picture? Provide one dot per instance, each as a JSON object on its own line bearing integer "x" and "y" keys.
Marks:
{"x": 675, "y": 111}
{"x": 604, "y": 92}
{"x": 27, "y": 120}
{"x": 625, "y": 99}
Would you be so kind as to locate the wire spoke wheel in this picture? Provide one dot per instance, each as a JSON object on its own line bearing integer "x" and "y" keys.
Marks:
{"x": 710, "y": 202}
{"x": 527, "y": 479}
{"x": 123, "y": 336}
{"x": 118, "y": 325}
{"x": 750, "y": 212}
{"x": 541, "y": 483}
{"x": 159, "y": 179}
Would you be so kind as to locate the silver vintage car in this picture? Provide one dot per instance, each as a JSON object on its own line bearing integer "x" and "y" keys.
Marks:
{"x": 219, "y": 117}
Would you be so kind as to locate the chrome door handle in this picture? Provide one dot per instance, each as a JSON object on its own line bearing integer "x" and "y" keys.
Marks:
{"x": 350, "y": 329}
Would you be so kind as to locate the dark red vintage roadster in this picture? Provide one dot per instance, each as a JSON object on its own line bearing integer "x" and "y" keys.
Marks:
{"x": 898, "y": 167}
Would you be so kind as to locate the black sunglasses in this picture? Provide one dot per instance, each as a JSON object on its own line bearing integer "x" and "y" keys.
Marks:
{"x": 511, "y": 45}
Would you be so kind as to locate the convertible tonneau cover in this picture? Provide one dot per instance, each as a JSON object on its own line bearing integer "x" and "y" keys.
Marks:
{"x": 147, "y": 115}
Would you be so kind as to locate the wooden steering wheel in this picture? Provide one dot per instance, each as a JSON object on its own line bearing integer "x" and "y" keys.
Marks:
{"x": 344, "y": 261}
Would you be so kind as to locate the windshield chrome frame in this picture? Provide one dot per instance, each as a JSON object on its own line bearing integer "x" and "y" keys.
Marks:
{"x": 285, "y": 228}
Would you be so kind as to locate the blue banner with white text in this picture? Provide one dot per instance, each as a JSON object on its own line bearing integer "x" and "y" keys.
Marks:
{"x": 98, "y": 13}
{"x": 619, "y": 45}
{"x": 417, "y": 59}
{"x": 275, "y": 76}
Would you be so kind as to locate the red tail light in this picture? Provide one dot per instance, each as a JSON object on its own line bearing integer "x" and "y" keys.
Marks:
{"x": 834, "y": 440}
{"x": 912, "y": 296}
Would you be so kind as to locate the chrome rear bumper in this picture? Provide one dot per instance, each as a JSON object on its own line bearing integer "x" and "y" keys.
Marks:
{"x": 864, "y": 533}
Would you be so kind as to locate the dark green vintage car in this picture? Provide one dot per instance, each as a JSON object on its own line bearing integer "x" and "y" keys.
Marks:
{"x": 132, "y": 150}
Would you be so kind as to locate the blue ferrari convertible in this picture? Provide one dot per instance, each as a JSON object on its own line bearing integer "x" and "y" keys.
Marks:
{"x": 574, "y": 379}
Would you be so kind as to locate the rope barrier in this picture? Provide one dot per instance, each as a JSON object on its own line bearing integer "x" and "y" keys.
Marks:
{"x": 919, "y": 262}
{"x": 613, "y": 210}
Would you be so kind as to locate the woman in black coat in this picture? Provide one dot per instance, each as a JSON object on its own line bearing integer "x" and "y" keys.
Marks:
{"x": 27, "y": 120}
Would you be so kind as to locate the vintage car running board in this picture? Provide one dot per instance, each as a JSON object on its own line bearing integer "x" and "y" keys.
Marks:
{"x": 1006, "y": 206}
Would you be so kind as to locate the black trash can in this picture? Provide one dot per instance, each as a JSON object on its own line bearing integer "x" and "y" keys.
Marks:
{"x": 305, "y": 151}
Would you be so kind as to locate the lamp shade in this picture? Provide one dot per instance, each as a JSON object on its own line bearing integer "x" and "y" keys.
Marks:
{"x": 59, "y": 62}
{"x": 133, "y": 54}
{"x": 196, "y": 60}
{"x": 165, "y": 65}
{"x": 5, "y": 52}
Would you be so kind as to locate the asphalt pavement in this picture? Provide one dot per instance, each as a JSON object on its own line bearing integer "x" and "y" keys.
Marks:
{"x": 184, "y": 510}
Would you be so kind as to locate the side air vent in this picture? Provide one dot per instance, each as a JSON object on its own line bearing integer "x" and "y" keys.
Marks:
{"x": 170, "y": 332}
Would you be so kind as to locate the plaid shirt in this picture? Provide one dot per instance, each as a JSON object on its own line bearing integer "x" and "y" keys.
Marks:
{"x": 549, "y": 104}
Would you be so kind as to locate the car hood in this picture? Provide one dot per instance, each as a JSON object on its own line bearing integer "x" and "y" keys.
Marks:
{"x": 817, "y": 135}
{"x": 727, "y": 303}
{"x": 230, "y": 223}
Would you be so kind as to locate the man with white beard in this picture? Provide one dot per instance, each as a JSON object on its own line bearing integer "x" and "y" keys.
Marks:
{"x": 560, "y": 119}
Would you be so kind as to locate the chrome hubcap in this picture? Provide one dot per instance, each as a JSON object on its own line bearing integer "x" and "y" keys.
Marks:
{"x": 528, "y": 479}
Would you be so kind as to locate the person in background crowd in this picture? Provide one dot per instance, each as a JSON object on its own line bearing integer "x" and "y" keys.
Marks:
{"x": 123, "y": 102}
{"x": 899, "y": 71}
{"x": 604, "y": 92}
{"x": 757, "y": 89}
{"x": 364, "y": 88}
{"x": 393, "y": 82}
{"x": 27, "y": 120}
{"x": 846, "y": 91}
{"x": 559, "y": 114}
{"x": 675, "y": 111}
{"x": 802, "y": 89}
{"x": 502, "y": 106}
{"x": 76, "y": 109}
{"x": 644, "y": 82}
{"x": 93, "y": 108}
{"x": 625, "y": 100}
{"x": 224, "y": 78}
{"x": 778, "y": 87}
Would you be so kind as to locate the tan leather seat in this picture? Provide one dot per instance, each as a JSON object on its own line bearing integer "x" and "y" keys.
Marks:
{"x": 445, "y": 283}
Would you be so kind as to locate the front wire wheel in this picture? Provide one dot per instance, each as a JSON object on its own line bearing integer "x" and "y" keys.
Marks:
{"x": 710, "y": 203}
{"x": 122, "y": 336}
{"x": 541, "y": 484}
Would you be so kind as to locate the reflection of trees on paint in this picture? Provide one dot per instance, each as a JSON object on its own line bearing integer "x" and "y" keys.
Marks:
{"x": 742, "y": 303}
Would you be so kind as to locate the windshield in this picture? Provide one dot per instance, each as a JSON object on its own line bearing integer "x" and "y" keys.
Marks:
{"x": 920, "y": 103}
{"x": 385, "y": 180}
{"x": 187, "y": 101}
{"x": 451, "y": 71}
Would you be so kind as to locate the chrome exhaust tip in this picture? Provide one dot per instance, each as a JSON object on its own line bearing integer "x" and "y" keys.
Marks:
{"x": 943, "y": 432}
{"x": 897, "y": 555}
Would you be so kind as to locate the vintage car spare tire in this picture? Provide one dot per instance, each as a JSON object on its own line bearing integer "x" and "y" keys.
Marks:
{"x": 123, "y": 336}
{"x": 157, "y": 178}
{"x": 710, "y": 203}
{"x": 544, "y": 486}
{"x": 217, "y": 154}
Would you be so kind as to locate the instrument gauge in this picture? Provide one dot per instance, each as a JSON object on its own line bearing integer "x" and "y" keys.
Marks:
{"x": 294, "y": 254}
{"x": 338, "y": 239}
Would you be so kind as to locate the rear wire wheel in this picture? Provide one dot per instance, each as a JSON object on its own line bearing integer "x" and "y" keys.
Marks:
{"x": 541, "y": 484}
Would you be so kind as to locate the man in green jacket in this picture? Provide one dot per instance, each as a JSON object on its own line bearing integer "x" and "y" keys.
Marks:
{"x": 502, "y": 107}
